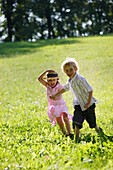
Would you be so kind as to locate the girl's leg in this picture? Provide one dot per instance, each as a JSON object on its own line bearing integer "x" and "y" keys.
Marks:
{"x": 61, "y": 124}
{"x": 67, "y": 123}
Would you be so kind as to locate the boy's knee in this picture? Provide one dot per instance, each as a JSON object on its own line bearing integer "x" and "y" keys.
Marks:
{"x": 76, "y": 125}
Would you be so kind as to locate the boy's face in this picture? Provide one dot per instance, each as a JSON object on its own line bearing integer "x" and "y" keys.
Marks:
{"x": 70, "y": 71}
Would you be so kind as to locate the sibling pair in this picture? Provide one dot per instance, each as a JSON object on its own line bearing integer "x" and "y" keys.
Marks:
{"x": 83, "y": 100}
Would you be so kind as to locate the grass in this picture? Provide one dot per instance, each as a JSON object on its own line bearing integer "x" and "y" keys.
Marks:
{"x": 27, "y": 139}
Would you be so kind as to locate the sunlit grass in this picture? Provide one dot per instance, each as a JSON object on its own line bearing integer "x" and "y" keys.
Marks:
{"x": 27, "y": 139}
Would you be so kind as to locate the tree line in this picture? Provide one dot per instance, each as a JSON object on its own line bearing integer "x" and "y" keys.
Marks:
{"x": 48, "y": 19}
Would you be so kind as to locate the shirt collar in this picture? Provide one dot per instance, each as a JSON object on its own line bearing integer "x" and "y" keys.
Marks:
{"x": 73, "y": 78}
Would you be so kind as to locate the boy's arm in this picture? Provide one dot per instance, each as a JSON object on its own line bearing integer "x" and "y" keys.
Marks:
{"x": 41, "y": 77}
{"x": 89, "y": 100}
{"x": 57, "y": 94}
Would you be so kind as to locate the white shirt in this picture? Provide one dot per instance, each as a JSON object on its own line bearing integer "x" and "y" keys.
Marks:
{"x": 80, "y": 90}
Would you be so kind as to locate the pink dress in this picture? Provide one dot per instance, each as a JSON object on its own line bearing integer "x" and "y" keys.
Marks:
{"x": 56, "y": 107}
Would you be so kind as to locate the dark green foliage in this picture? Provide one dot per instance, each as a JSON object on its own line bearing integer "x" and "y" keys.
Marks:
{"x": 48, "y": 19}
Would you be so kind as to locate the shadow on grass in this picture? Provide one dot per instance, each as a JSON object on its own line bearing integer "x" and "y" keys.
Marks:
{"x": 92, "y": 138}
{"x": 8, "y": 50}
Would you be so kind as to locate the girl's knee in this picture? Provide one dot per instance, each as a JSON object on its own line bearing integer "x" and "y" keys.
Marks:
{"x": 65, "y": 116}
{"x": 59, "y": 121}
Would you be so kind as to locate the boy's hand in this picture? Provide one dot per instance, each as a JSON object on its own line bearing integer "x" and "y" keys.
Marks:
{"x": 89, "y": 100}
{"x": 52, "y": 97}
{"x": 86, "y": 105}
{"x": 57, "y": 96}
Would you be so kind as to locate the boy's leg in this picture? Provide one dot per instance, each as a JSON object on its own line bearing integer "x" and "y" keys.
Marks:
{"x": 91, "y": 119}
{"x": 78, "y": 119}
{"x": 61, "y": 124}
{"x": 99, "y": 130}
{"x": 76, "y": 131}
{"x": 67, "y": 123}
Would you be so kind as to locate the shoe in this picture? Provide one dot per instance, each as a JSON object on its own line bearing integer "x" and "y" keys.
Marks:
{"x": 101, "y": 133}
{"x": 78, "y": 140}
{"x": 100, "y": 129}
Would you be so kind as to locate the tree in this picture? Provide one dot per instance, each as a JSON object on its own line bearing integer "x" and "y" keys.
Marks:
{"x": 22, "y": 23}
{"x": 7, "y": 10}
{"x": 100, "y": 13}
{"x": 46, "y": 19}
{"x": 18, "y": 24}
{"x": 43, "y": 9}
{"x": 108, "y": 17}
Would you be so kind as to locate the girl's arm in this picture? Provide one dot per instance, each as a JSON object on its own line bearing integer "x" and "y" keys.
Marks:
{"x": 41, "y": 77}
{"x": 57, "y": 94}
{"x": 89, "y": 100}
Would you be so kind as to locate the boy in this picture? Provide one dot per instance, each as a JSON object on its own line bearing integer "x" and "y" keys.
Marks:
{"x": 83, "y": 100}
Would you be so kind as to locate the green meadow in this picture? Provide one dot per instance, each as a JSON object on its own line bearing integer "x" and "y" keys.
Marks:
{"x": 27, "y": 139}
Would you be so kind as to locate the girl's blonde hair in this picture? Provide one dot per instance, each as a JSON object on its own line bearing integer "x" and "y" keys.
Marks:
{"x": 70, "y": 61}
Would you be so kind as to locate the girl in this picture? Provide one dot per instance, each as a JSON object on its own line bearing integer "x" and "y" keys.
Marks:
{"x": 57, "y": 109}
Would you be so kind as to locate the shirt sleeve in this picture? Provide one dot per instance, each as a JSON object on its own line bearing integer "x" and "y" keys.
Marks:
{"x": 60, "y": 86}
{"x": 66, "y": 87}
{"x": 85, "y": 85}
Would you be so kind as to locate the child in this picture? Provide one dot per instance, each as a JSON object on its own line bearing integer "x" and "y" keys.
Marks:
{"x": 83, "y": 100}
{"x": 57, "y": 109}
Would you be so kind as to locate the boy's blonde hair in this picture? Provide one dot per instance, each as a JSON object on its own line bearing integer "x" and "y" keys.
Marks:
{"x": 70, "y": 61}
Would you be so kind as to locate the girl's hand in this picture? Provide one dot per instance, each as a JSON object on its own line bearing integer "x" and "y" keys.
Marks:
{"x": 49, "y": 70}
{"x": 41, "y": 77}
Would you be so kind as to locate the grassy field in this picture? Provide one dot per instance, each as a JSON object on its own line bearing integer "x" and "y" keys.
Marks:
{"x": 27, "y": 139}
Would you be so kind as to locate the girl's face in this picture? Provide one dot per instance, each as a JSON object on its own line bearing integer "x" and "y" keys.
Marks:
{"x": 52, "y": 82}
{"x": 70, "y": 71}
